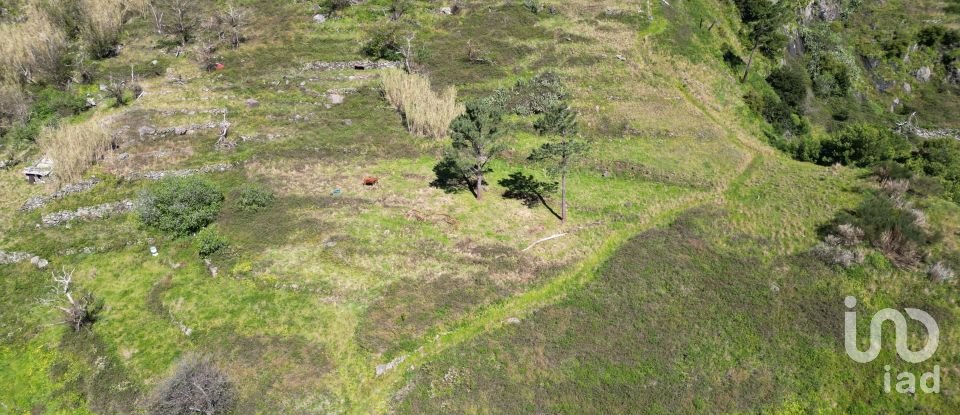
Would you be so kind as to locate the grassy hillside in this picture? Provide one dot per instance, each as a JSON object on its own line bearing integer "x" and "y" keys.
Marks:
{"x": 685, "y": 279}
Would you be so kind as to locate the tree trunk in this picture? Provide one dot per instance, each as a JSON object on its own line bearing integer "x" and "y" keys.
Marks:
{"x": 563, "y": 198}
{"x": 479, "y": 186}
{"x": 749, "y": 62}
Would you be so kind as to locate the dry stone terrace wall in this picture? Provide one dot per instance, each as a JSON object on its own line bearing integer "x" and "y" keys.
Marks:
{"x": 38, "y": 202}
{"x": 88, "y": 213}
{"x": 161, "y": 174}
{"x": 8, "y": 258}
{"x": 355, "y": 65}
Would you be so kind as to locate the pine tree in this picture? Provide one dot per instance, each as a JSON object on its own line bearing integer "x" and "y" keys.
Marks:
{"x": 561, "y": 123}
{"x": 477, "y": 139}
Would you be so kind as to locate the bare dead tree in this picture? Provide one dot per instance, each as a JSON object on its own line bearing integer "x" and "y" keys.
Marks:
{"x": 76, "y": 313}
{"x": 178, "y": 18}
{"x": 235, "y": 19}
{"x": 157, "y": 14}
{"x": 407, "y": 52}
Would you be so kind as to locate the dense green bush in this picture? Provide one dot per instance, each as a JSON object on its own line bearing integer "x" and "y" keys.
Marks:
{"x": 180, "y": 206}
{"x": 864, "y": 145}
{"x": 930, "y": 36}
{"x": 790, "y": 83}
{"x": 335, "y": 6}
{"x": 208, "y": 242}
{"x": 940, "y": 158}
{"x": 49, "y": 104}
{"x": 252, "y": 199}
{"x": 384, "y": 42}
{"x": 531, "y": 96}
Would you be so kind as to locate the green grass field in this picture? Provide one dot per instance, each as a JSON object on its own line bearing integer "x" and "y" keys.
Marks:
{"x": 684, "y": 282}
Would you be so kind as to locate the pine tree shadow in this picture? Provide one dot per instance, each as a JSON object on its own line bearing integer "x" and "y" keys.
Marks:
{"x": 529, "y": 191}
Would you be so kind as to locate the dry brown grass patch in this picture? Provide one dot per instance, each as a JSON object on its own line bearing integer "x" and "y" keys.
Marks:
{"x": 73, "y": 148}
{"x": 427, "y": 113}
{"x": 33, "y": 50}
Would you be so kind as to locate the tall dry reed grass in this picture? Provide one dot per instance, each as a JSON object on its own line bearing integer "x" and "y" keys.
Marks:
{"x": 427, "y": 113}
{"x": 73, "y": 148}
{"x": 33, "y": 50}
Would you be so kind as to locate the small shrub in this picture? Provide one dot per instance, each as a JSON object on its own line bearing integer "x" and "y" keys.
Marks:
{"x": 13, "y": 105}
{"x": 534, "y": 6}
{"x": 894, "y": 229}
{"x": 930, "y": 36}
{"x": 891, "y": 170}
{"x": 533, "y": 96}
{"x": 941, "y": 272}
{"x": 895, "y": 188}
{"x": 849, "y": 235}
{"x": 122, "y": 92}
{"x": 196, "y": 386}
{"x": 252, "y": 199}
{"x": 426, "y": 113}
{"x": 102, "y": 23}
{"x": 834, "y": 254}
{"x": 181, "y": 206}
{"x": 209, "y": 242}
{"x": 73, "y": 148}
{"x": 336, "y": 6}
{"x": 384, "y": 43}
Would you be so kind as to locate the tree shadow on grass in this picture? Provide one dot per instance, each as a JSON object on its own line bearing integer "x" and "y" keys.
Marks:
{"x": 529, "y": 190}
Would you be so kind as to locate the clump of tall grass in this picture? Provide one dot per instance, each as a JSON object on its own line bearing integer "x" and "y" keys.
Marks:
{"x": 13, "y": 105}
{"x": 426, "y": 112}
{"x": 101, "y": 26}
{"x": 73, "y": 148}
{"x": 33, "y": 50}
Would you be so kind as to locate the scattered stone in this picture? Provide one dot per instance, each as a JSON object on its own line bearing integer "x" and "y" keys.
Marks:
{"x": 39, "y": 262}
{"x": 335, "y": 99}
{"x": 214, "y": 270}
{"x": 88, "y": 213}
{"x": 907, "y": 88}
{"x": 148, "y": 131}
{"x": 348, "y": 122}
{"x": 923, "y": 74}
{"x": 446, "y": 11}
{"x": 37, "y": 202}
{"x": 319, "y": 18}
{"x": 384, "y": 368}
{"x": 356, "y": 65}
{"x": 252, "y": 103}
{"x": 513, "y": 320}
{"x": 159, "y": 175}
{"x": 9, "y": 258}
{"x": 774, "y": 287}
{"x": 91, "y": 103}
